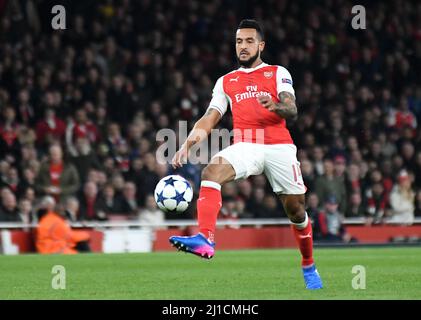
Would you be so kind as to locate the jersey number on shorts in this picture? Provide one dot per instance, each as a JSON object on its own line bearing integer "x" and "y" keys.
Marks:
{"x": 297, "y": 172}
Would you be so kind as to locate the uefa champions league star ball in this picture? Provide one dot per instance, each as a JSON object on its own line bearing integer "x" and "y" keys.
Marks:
{"x": 173, "y": 194}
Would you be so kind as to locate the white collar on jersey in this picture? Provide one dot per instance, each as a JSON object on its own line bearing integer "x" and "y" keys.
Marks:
{"x": 252, "y": 69}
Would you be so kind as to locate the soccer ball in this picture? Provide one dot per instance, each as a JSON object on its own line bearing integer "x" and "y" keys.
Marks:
{"x": 173, "y": 194}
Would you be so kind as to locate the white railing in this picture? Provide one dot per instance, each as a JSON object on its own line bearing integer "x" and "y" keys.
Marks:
{"x": 181, "y": 223}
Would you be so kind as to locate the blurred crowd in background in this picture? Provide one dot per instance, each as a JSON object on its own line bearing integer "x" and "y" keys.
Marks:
{"x": 80, "y": 108}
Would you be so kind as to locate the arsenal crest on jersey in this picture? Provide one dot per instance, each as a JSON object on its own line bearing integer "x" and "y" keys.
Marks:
{"x": 268, "y": 74}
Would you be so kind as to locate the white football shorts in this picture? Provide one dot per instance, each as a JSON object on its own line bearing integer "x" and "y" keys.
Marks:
{"x": 277, "y": 161}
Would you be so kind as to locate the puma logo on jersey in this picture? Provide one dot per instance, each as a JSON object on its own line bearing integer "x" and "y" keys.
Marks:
{"x": 234, "y": 79}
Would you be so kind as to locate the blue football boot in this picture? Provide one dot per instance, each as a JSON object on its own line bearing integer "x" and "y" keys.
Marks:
{"x": 196, "y": 244}
{"x": 312, "y": 278}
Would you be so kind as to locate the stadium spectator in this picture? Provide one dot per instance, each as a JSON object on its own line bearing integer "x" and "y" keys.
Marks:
{"x": 376, "y": 203}
{"x": 9, "y": 133}
{"x": 71, "y": 209}
{"x": 102, "y": 179}
{"x": 4, "y": 168}
{"x": 25, "y": 110}
{"x": 122, "y": 158}
{"x": 26, "y": 212}
{"x": 110, "y": 204}
{"x": 229, "y": 211}
{"x": 147, "y": 178}
{"x": 312, "y": 205}
{"x": 117, "y": 181}
{"x": 402, "y": 117}
{"x": 114, "y": 138}
{"x": 270, "y": 207}
{"x": 162, "y": 171}
{"x": 130, "y": 205}
{"x": 83, "y": 158}
{"x": 9, "y": 211}
{"x": 240, "y": 208}
{"x": 245, "y": 189}
{"x": 27, "y": 136}
{"x": 29, "y": 157}
{"x": 329, "y": 223}
{"x": 329, "y": 184}
{"x": 376, "y": 176}
{"x": 54, "y": 235}
{"x": 407, "y": 151}
{"x": 90, "y": 204}
{"x": 317, "y": 158}
{"x": 354, "y": 183}
{"x": 29, "y": 194}
{"x": 355, "y": 207}
{"x": 402, "y": 200}
{"x": 11, "y": 180}
{"x": 81, "y": 127}
{"x": 118, "y": 94}
{"x": 309, "y": 176}
{"x": 255, "y": 204}
{"x": 102, "y": 121}
{"x": 56, "y": 176}
{"x": 50, "y": 129}
{"x": 27, "y": 181}
{"x": 229, "y": 190}
{"x": 151, "y": 214}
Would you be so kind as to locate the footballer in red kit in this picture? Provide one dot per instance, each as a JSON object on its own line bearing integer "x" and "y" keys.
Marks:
{"x": 240, "y": 89}
{"x": 261, "y": 98}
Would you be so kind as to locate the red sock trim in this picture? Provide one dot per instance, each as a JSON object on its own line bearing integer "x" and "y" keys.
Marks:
{"x": 304, "y": 238}
{"x": 208, "y": 205}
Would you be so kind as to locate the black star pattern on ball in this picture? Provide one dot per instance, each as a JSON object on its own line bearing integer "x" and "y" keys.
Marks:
{"x": 179, "y": 197}
{"x": 160, "y": 196}
{"x": 169, "y": 181}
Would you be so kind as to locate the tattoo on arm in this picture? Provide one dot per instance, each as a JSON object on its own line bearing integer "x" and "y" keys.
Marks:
{"x": 202, "y": 127}
{"x": 286, "y": 107}
{"x": 208, "y": 112}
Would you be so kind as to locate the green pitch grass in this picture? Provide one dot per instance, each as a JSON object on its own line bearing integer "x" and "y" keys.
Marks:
{"x": 391, "y": 273}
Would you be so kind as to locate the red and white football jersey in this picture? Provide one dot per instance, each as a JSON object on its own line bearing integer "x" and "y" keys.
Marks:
{"x": 251, "y": 121}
